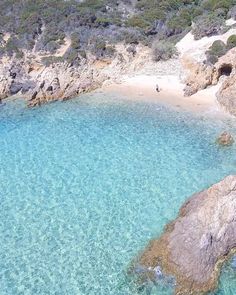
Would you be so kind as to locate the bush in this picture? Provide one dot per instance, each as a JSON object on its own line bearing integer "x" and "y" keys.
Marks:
{"x": 75, "y": 40}
{"x": 163, "y": 50}
{"x": 231, "y": 42}
{"x": 215, "y": 4}
{"x": 130, "y": 36}
{"x": 71, "y": 57}
{"x": 180, "y": 22}
{"x": 52, "y": 46}
{"x": 137, "y": 21}
{"x": 217, "y": 49}
{"x": 103, "y": 22}
{"x": 12, "y": 46}
{"x": 232, "y": 13}
{"x": 208, "y": 25}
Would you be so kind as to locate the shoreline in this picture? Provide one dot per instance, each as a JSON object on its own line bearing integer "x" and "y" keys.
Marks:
{"x": 141, "y": 87}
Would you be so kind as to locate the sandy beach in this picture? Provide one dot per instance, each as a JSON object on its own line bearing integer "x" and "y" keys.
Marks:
{"x": 143, "y": 88}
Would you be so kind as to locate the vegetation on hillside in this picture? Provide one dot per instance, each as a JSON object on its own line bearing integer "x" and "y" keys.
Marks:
{"x": 219, "y": 48}
{"x": 96, "y": 25}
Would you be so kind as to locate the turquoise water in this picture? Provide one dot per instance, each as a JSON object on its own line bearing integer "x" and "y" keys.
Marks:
{"x": 85, "y": 184}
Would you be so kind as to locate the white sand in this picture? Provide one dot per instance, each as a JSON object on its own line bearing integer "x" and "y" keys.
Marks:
{"x": 230, "y": 22}
{"x": 143, "y": 88}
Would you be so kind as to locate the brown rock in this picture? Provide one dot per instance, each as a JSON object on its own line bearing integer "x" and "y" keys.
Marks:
{"x": 225, "y": 139}
{"x": 199, "y": 75}
{"x": 194, "y": 246}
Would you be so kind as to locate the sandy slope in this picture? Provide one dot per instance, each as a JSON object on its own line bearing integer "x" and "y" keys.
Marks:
{"x": 197, "y": 48}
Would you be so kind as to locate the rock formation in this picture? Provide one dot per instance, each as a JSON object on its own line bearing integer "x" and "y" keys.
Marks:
{"x": 39, "y": 83}
{"x": 225, "y": 139}
{"x": 194, "y": 246}
{"x": 200, "y": 75}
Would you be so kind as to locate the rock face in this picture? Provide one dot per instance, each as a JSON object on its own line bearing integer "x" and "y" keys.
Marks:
{"x": 194, "y": 246}
{"x": 225, "y": 139}
{"x": 40, "y": 84}
{"x": 226, "y": 95}
{"x": 200, "y": 75}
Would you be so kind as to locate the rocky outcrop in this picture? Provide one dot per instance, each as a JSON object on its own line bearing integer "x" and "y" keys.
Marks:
{"x": 62, "y": 82}
{"x": 40, "y": 84}
{"x": 225, "y": 139}
{"x": 200, "y": 75}
{"x": 194, "y": 246}
{"x": 226, "y": 95}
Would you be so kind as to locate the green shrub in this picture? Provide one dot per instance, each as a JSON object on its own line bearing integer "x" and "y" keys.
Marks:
{"x": 163, "y": 50}
{"x": 71, "y": 57}
{"x": 110, "y": 50}
{"x": 215, "y": 4}
{"x": 217, "y": 49}
{"x": 82, "y": 53}
{"x": 231, "y": 42}
{"x": 103, "y": 21}
{"x": 75, "y": 41}
{"x": 208, "y": 25}
{"x": 180, "y": 22}
{"x": 137, "y": 21}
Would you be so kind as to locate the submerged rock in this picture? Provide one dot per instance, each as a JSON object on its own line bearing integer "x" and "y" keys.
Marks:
{"x": 194, "y": 246}
{"x": 225, "y": 139}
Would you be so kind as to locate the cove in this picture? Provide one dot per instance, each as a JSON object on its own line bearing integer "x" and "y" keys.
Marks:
{"x": 86, "y": 183}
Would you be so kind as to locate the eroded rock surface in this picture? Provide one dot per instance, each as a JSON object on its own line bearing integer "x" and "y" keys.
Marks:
{"x": 193, "y": 247}
{"x": 200, "y": 75}
{"x": 40, "y": 84}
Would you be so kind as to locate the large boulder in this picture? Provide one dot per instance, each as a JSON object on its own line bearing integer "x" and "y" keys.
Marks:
{"x": 194, "y": 246}
{"x": 199, "y": 76}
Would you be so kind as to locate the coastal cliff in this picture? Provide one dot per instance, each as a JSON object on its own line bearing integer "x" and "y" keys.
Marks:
{"x": 194, "y": 246}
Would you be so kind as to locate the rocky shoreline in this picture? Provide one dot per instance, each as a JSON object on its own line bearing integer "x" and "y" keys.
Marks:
{"x": 193, "y": 247}
{"x": 40, "y": 84}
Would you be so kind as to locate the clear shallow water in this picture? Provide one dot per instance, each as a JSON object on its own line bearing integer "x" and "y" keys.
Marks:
{"x": 87, "y": 183}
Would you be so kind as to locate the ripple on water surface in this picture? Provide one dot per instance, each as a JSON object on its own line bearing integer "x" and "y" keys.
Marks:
{"x": 87, "y": 183}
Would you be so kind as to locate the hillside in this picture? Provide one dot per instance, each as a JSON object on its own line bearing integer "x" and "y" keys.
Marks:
{"x": 57, "y": 49}
{"x": 43, "y": 26}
